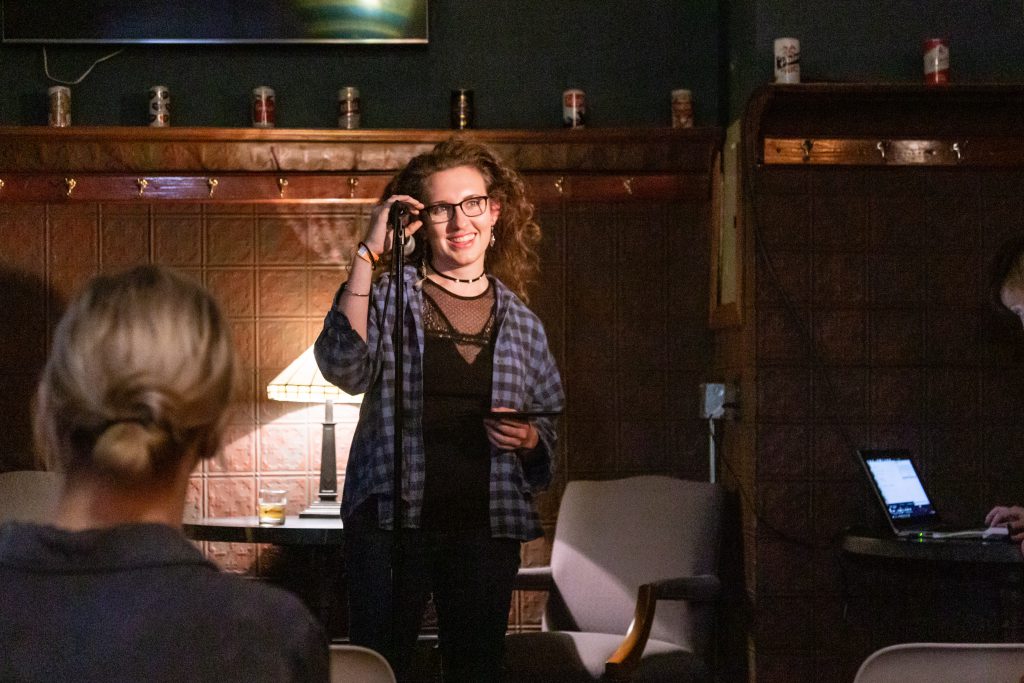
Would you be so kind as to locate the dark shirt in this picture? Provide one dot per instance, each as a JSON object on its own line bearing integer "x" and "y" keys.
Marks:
{"x": 458, "y": 353}
{"x": 138, "y": 602}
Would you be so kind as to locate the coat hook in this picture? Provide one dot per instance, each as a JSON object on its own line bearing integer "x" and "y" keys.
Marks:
{"x": 881, "y": 148}
{"x": 353, "y": 183}
{"x": 628, "y": 184}
{"x": 807, "y": 146}
{"x": 69, "y": 185}
{"x": 281, "y": 184}
{"x": 560, "y": 184}
{"x": 212, "y": 183}
{"x": 143, "y": 184}
{"x": 956, "y": 149}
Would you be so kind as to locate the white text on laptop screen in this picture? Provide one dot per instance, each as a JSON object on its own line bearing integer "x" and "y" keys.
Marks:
{"x": 900, "y": 488}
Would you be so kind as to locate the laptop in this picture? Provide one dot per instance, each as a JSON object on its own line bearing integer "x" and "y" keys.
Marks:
{"x": 906, "y": 503}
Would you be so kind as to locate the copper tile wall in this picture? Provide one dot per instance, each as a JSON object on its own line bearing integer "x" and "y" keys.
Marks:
{"x": 871, "y": 329}
{"x": 623, "y": 296}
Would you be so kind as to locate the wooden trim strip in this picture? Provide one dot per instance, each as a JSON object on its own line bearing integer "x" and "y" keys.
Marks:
{"x": 339, "y": 188}
{"x": 1001, "y": 152}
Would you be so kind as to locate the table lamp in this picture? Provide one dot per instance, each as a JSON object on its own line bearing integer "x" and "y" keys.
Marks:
{"x": 301, "y": 382}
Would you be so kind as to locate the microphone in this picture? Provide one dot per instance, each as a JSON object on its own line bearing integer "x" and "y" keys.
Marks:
{"x": 399, "y": 211}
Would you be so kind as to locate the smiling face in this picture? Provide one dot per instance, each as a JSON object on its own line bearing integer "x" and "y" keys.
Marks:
{"x": 1012, "y": 297}
{"x": 458, "y": 246}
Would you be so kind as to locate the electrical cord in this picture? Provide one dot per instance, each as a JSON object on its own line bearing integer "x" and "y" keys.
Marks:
{"x": 46, "y": 67}
{"x": 753, "y": 507}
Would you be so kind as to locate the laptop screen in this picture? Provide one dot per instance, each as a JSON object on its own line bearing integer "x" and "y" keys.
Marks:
{"x": 899, "y": 487}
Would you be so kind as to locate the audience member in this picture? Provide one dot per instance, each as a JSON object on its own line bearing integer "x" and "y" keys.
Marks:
{"x": 1007, "y": 293}
{"x": 132, "y": 399}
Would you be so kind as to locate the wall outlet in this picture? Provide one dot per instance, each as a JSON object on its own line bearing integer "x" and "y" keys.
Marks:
{"x": 718, "y": 400}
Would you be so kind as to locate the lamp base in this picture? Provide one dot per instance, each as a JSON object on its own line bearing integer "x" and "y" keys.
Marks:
{"x": 322, "y": 509}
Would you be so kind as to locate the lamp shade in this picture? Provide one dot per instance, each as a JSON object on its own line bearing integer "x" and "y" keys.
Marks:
{"x": 302, "y": 382}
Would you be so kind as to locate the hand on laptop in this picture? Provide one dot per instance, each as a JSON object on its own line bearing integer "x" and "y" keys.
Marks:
{"x": 1012, "y": 516}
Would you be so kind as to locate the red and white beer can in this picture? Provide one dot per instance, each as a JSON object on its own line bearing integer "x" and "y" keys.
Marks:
{"x": 682, "y": 108}
{"x": 263, "y": 107}
{"x": 936, "y": 61}
{"x": 574, "y": 108}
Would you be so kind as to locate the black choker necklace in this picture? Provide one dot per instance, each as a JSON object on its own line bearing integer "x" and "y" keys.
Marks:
{"x": 456, "y": 279}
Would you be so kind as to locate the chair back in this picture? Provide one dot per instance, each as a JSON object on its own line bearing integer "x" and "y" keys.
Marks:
{"x": 355, "y": 664}
{"x": 613, "y": 536}
{"x": 29, "y": 495}
{"x": 944, "y": 663}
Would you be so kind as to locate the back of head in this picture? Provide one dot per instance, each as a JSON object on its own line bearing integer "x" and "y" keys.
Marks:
{"x": 140, "y": 374}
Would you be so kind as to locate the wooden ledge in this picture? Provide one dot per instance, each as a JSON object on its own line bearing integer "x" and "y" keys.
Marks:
{"x": 115, "y": 149}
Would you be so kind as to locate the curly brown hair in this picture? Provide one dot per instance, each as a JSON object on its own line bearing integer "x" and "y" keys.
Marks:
{"x": 513, "y": 259}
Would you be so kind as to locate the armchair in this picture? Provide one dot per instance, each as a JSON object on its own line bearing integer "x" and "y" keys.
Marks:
{"x": 944, "y": 663}
{"x": 632, "y": 584}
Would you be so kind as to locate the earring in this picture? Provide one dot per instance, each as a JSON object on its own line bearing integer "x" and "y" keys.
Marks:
{"x": 493, "y": 239}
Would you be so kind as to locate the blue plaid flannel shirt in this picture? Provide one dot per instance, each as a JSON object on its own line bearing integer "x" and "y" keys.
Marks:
{"x": 525, "y": 377}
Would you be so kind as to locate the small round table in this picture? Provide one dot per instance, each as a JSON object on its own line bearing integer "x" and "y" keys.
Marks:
{"x": 313, "y": 544}
{"x": 998, "y": 558}
{"x": 294, "y": 531}
{"x": 934, "y": 550}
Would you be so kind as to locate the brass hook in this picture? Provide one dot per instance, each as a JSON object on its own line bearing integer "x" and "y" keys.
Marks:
{"x": 143, "y": 184}
{"x": 69, "y": 184}
{"x": 281, "y": 184}
{"x": 628, "y": 184}
{"x": 881, "y": 148}
{"x": 212, "y": 183}
{"x": 956, "y": 148}
{"x": 560, "y": 184}
{"x": 1, "y": 183}
{"x": 807, "y": 146}
{"x": 353, "y": 183}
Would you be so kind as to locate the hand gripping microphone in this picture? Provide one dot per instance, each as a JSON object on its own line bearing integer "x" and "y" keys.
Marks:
{"x": 398, "y": 213}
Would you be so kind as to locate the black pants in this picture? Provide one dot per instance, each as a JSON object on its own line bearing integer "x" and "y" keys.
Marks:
{"x": 470, "y": 576}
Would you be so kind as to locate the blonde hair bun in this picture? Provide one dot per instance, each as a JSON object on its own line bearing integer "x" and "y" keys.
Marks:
{"x": 139, "y": 375}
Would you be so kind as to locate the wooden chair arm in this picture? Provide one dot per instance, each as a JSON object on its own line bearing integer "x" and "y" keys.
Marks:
{"x": 622, "y": 663}
{"x": 534, "y": 579}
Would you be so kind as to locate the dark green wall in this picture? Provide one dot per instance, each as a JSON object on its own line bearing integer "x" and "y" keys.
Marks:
{"x": 871, "y": 40}
{"x": 517, "y": 55}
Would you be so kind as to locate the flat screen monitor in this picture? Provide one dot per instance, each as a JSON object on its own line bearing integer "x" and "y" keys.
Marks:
{"x": 214, "y": 21}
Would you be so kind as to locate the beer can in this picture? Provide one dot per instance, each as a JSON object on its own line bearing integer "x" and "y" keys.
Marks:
{"x": 574, "y": 108}
{"x": 682, "y": 109}
{"x": 348, "y": 108}
{"x": 263, "y": 107}
{"x": 787, "y": 60}
{"x": 462, "y": 109}
{"x": 60, "y": 106}
{"x": 936, "y": 61}
{"x": 159, "y": 106}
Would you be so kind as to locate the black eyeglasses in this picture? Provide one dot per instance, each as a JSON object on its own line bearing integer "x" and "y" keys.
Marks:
{"x": 442, "y": 212}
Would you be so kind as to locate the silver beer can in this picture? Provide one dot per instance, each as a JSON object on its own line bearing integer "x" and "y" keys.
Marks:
{"x": 348, "y": 108}
{"x": 60, "y": 106}
{"x": 159, "y": 106}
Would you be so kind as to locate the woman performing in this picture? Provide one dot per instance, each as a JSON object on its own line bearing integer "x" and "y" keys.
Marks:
{"x": 471, "y": 349}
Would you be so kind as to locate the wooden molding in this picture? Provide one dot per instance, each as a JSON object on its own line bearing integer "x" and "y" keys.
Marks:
{"x": 112, "y": 164}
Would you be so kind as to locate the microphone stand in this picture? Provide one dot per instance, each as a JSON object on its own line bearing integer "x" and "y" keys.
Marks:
{"x": 396, "y": 219}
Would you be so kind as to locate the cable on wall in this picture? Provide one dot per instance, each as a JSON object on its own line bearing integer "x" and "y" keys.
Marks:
{"x": 46, "y": 67}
